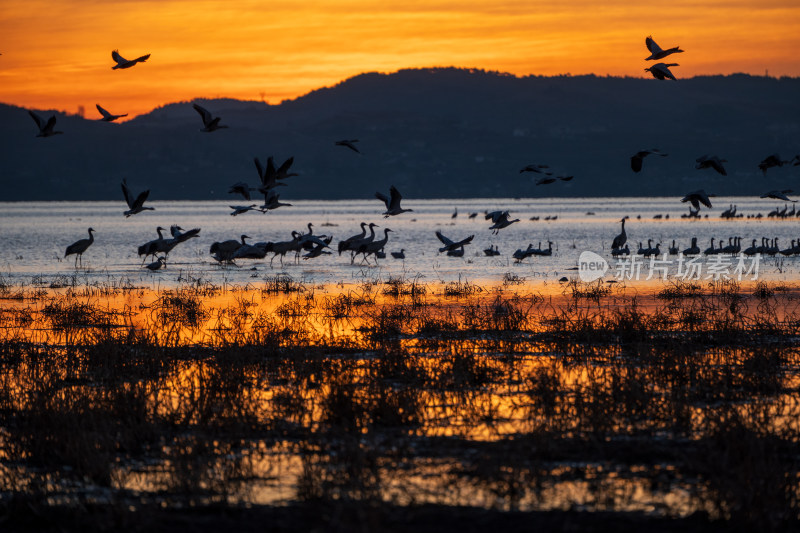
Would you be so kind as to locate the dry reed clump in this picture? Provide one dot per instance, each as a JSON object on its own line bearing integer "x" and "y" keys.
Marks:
{"x": 400, "y": 286}
{"x": 282, "y": 284}
{"x": 461, "y": 289}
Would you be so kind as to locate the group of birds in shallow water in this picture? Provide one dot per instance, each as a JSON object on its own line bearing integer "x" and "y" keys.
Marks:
{"x": 271, "y": 177}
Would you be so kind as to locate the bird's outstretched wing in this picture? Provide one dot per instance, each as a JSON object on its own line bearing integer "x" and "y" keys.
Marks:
{"x": 283, "y": 170}
{"x": 36, "y": 118}
{"x": 103, "y": 112}
{"x": 127, "y": 193}
{"x": 445, "y": 240}
{"x": 143, "y": 58}
{"x": 139, "y": 202}
{"x": 396, "y": 197}
{"x": 260, "y": 169}
{"x": 118, "y": 58}
{"x": 636, "y": 162}
{"x": 652, "y": 46}
{"x": 207, "y": 118}
{"x": 382, "y": 197}
{"x": 51, "y": 123}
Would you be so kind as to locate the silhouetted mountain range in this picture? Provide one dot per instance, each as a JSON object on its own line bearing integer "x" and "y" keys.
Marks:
{"x": 432, "y": 133}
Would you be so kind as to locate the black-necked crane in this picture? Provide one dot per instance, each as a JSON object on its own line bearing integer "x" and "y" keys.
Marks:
{"x": 78, "y": 247}
{"x": 108, "y": 117}
{"x": 135, "y": 205}
{"x": 660, "y": 71}
{"x": 210, "y": 122}
{"x": 393, "y": 203}
{"x": 45, "y": 127}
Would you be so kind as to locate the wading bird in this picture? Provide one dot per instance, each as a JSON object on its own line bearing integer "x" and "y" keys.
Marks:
{"x": 620, "y": 240}
{"x": 124, "y": 63}
{"x": 660, "y": 71}
{"x": 135, "y": 205}
{"x": 210, "y": 123}
{"x": 349, "y": 143}
{"x": 656, "y": 52}
{"x": 45, "y": 128}
{"x": 713, "y": 161}
{"x": 78, "y": 247}
{"x": 157, "y": 264}
{"x": 108, "y": 117}
{"x": 393, "y": 203}
{"x": 638, "y": 158}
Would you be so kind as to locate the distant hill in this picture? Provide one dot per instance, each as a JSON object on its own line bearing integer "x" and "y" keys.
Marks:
{"x": 431, "y": 132}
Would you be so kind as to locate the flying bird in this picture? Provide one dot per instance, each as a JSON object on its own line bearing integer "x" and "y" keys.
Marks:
{"x": 108, "y": 117}
{"x": 242, "y": 188}
{"x": 779, "y": 195}
{"x": 272, "y": 201}
{"x": 210, "y": 123}
{"x": 545, "y": 181}
{"x": 535, "y": 168}
{"x": 656, "y": 52}
{"x": 78, "y": 247}
{"x": 450, "y": 245}
{"x": 638, "y": 158}
{"x": 772, "y": 161}
{"x": 698, "y": 197}
{"x": 500, "y": 219}
{"x": 45, "y": 128}
{"x": 348, "y": 143}
{"x": 135, "y": 205}
{"x": 239, "y": 209}
{"x": 124, "y": 63}
{"x": 660, "y": 71}
{"x": 393, "y": 203}
{"x": 711, "y": 162}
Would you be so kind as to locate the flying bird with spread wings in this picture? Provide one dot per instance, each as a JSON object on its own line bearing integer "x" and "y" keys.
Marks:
{"x": 125, "y": 63}
{"x": 393, "y": 203}
{"x": 210, "y": 123}
{"x": 656, "y": 52}
{"x": 108, "y": 117}
{"x": 45, "y": 127}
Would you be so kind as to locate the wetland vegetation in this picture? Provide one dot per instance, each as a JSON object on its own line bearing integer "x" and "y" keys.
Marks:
{"x": 398, "y": 405}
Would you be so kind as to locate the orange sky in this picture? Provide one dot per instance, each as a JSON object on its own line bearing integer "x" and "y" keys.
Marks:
{"x": 57, "y": 54}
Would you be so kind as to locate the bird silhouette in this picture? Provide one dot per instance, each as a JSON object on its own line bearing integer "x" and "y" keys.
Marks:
{"x": 210, "y": 123}
{"x": 713, "y": 161}
{"x": 660, "y": 71}
{"x": 779, "y": 195}
{"x": 108, "y": 117}
{"x": 638, "y": 158}
{"x": 124, "y": 63}
{"x": 656, "y": 52}
{"x": 45, "y": 127}
{"x": 698, "y": 197}
{"x": 393, "y": 203}
{"x": 349, "y": 143}
{"x": 450, "y": 245}
{"x": 78, "y": 247}
{"x": 135, "y": 205}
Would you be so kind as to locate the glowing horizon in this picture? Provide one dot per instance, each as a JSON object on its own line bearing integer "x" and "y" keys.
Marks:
{"x": 57, "y": 53}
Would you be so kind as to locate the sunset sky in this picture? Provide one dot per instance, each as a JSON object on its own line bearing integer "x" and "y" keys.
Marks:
{"x": 57, "y": 54}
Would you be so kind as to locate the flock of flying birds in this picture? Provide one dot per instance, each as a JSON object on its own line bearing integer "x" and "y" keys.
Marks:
{"x": 271, "y": 177}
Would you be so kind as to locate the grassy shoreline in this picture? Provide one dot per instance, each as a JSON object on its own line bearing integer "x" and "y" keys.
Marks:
{"x": 589, "y": 401}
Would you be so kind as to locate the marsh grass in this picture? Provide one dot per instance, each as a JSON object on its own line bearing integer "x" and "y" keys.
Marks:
{"x": 663, "y": 405}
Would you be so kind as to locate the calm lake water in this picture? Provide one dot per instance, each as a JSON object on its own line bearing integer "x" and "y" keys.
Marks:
{"x": 36, "y": 235}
